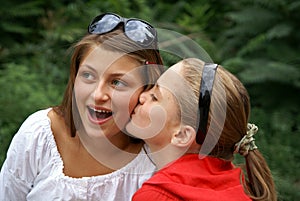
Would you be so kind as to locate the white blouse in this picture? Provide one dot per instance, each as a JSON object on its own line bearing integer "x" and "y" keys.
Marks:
{"x": 33, "y": 170}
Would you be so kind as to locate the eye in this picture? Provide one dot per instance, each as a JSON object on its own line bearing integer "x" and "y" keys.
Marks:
{"x": 153, "y": 97}
{"x": 87, "y": 75}
{"x": 118, "y": 83}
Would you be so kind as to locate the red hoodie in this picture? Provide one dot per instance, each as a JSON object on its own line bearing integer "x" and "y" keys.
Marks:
{"x": 191, "y": 178}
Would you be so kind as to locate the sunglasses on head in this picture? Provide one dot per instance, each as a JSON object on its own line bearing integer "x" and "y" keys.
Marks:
{"x": 136, "y": 30}
{"x": 207, "y": 81}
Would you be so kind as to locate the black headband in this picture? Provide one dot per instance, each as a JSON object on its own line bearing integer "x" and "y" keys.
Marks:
{"x": 207, "y": 81}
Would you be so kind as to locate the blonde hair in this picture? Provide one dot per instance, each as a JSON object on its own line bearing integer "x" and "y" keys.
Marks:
{"x": 259, "y": 184}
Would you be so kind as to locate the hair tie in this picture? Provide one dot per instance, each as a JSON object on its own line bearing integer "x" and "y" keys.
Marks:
{"x": 149, "y": 62}
{"x": 247, "y": 142}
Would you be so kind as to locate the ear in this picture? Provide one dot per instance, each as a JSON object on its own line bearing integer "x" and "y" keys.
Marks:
{"x": 184, "y": 137}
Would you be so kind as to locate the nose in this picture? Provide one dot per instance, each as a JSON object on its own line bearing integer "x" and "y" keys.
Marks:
{"x": 101, "y": 93}
{"x": 143, "y": 97}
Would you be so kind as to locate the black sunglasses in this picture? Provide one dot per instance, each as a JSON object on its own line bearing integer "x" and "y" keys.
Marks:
{"x": 136, "y": 30}
{"x": 207, "y": 81}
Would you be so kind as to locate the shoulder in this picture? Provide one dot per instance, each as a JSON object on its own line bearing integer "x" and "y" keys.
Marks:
{"x": 153, "y": 193}
{"x": 143, "y": 164}
{"x": 35, "y": 128}
{"x": 35, "y": 121}
{"x": 34, "y": 133}
{"x": 29, "y": 147}
{"x": 155, "y": 188}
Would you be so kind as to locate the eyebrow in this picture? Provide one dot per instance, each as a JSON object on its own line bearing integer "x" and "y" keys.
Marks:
{"x": 157, "y": 89}
{"x": 123, "y": 75}
{"x": 112, "y": 74}
{"x": 87, "y": 66}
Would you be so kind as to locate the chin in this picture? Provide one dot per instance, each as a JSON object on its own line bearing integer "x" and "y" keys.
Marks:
{"x": 132, "y": 130}
{"x": 94, "y": 133}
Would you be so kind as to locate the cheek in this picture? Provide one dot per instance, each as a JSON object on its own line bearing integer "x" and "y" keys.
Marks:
{"x": 82, "y": 91}
{"x": 143, "y": 116}
{"x": 126, "y": 101}
{"x": 78, "y": 91}
{"x": 148, "y": 122}
{"x": 134, "y": 99}
{"x": 123, "y": 104}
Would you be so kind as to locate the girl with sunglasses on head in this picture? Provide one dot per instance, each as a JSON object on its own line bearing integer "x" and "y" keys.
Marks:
{"x": 194, "y": 120}
{"x": 77, "y": 150}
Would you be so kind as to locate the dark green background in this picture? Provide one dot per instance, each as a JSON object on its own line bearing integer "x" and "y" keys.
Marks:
{"x": 257, "y": 40}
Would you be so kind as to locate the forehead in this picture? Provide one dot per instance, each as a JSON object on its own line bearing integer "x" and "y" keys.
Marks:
{"x": 173, "y": 80}
{"x": 106, "y": 60}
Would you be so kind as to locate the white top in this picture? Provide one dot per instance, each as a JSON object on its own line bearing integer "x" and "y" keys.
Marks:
{"x": 33, "y": 170}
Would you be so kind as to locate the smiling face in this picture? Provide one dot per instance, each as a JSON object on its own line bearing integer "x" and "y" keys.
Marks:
{"x": 106, "y": 89}
{"x": 158, "y": 116}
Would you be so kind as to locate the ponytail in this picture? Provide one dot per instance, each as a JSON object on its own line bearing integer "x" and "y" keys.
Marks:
{"x": 259, "y": 185}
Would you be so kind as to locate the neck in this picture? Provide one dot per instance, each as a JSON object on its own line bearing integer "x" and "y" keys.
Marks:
{"x": 114, "y": 153}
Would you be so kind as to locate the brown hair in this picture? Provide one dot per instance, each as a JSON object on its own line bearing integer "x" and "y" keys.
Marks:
{"x": 115, "y": 41}
{"x": 259, "y": 184}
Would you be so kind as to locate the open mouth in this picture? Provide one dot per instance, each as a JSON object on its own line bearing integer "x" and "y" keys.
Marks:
{"x": 99, "y": 115}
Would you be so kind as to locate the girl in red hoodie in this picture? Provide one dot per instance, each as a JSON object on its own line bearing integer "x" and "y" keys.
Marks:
{"x": 194, "y": 120}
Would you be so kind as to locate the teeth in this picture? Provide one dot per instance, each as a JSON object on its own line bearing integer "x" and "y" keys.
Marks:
{"x": 102, "y": 111}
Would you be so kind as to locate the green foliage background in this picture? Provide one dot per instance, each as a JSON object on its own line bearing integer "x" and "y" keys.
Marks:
{"x": 257, "y": 40}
